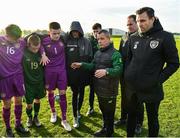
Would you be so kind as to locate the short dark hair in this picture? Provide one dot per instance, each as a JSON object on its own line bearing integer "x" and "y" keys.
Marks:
{"x": 133, "y": 16}
{"x": 54, "y": 25}
{"x": 34, "y": 39}
{"x": 96, "y": 26}
{"x": 105, "y": 32}
{"x": 148, "y": 10}
{"x": 13, "y": 31}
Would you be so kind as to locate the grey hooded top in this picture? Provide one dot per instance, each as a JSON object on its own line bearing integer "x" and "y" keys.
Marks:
{"x": 85, "y": 48}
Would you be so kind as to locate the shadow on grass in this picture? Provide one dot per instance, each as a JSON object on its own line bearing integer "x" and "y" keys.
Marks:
{"x": 123, "y": 127}
{"x": 42, "y": 131}
{"x": 116, "y": 135}
{"x": 91, "y": 119}
{"x": 144, "y": 133}
{"x": 77, "y": 132}
{"x": 84, "y": 127}
{"x": 23, "y": 135}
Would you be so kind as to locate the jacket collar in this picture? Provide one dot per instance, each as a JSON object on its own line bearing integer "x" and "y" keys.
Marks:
{"x": 156, "y": 28}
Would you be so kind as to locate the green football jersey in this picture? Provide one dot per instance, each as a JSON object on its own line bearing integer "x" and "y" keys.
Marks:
{"x": 33, "y": 71}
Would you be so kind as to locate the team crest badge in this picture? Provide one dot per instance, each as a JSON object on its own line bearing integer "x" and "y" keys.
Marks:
{"x": 17, "y": 45}
{"x": 28, "y": 59}
{"x": 136, "y": 44}
{"x": 71, "y": 49}
{"x": 154, "y": 44}
{"x": 48, "y": 46}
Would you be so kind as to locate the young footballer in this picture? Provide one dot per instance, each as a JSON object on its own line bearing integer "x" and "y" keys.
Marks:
{"x": 55, "y": 72}
{"x": 34, "y": 79}
{"x": 11, "y": 77}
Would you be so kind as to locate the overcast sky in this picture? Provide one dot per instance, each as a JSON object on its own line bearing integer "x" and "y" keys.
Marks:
{"x": 36, "y": 14}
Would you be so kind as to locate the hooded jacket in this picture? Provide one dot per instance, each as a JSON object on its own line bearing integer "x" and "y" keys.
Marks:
{"x": 77, "y": 50}
{"x": 146, "y": 70}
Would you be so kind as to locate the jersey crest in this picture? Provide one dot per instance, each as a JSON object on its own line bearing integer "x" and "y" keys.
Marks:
{"x": 17, "y": 45}
{"x": 154, "y": 44}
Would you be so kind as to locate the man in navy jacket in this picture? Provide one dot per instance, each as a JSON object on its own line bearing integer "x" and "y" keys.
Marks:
{"x": 149, "y": 50}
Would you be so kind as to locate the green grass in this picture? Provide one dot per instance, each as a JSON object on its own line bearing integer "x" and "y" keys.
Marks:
{"x": 169, "y": 115}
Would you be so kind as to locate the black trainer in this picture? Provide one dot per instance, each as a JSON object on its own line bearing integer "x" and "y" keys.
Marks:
{"x": 120, "y": 122}
{"x": 9, "y": 132}
{"x": 29, "y": 122}
{"x": 100, "y": 133}
{"x": 36, "y": 121}
{"x": 21, "y": 129}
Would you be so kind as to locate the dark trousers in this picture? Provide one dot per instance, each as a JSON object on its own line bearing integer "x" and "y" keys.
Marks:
{"x": 124, "y": 105}
{"x": 107, "y": 107}
{"x": 152, "y": 114}
{"x": 77, "y": 98}
{"x": 91, "y": 94}
{"x": 123, "y": 100}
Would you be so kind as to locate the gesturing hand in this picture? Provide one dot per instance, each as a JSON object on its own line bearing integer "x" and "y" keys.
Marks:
{"x": 76, "y": 65}
{"x": 44, "y": 60}
{"x": 100, "y": 73}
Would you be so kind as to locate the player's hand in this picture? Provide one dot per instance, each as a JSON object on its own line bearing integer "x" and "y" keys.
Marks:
{"x": 76, "y": 65}
{"x": 100, "y": 73}
{"x": 44, "y": 60}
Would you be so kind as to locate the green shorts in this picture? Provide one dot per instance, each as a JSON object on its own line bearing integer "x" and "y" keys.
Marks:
{"x": 34, "y": 91}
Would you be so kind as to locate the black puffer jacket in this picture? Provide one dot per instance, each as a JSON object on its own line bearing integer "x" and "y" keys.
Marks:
{"x": 77, "y": 50}
{"x": 148, "y": 53}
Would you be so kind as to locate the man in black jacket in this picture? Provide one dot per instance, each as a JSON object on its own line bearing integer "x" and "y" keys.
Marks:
{"x": 123, "y": 49}
{"x": 149, "y": 50}
{"x": 78, "y": 49}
